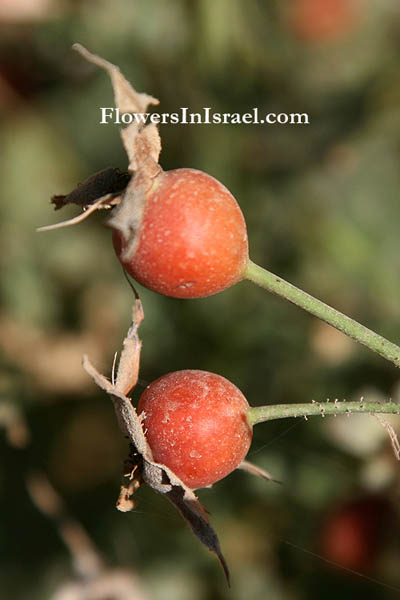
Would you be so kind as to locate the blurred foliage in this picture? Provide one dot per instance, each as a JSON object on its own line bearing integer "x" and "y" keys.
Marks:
{"x": 322, "y": 207}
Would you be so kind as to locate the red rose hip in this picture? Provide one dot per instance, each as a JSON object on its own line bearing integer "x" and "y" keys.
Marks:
{"x": 324, "y": 20}
{"x": 196, "y": 424}
{"x": 190, "y": 239}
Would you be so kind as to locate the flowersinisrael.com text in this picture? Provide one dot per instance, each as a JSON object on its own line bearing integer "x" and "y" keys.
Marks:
{"x": 206, "y": 116}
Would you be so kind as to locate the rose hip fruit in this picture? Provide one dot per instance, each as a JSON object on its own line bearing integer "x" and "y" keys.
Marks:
{"x": 195, "y": 423}
{"x": 352, "y": 534}
{"x": 323, "y": 20}
{"x": 191, "y": 239}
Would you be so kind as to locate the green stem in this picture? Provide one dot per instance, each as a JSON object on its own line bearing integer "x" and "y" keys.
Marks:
{"x": 259, "y": 414}
{"x": 355, "y": 330}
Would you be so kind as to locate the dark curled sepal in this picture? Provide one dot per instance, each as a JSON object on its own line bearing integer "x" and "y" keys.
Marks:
{"x": 109, "y": 181}
{"x": 194, "y": 515}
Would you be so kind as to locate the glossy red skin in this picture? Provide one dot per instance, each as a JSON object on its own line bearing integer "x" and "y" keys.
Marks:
{"x": 192, "y": 239}
{"x": 323, "y": 20}
{"x": 196, "y": 424}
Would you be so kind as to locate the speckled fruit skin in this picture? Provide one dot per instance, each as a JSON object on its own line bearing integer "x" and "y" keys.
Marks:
{"x": 192, "y": 240}
{"x": 196, "y": 424}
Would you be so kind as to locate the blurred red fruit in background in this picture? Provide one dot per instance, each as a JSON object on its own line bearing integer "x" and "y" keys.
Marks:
{"x": 352, "y": 534}
{"x": 322, "y": 20}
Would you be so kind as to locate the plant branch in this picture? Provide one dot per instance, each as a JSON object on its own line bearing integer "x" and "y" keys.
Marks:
{"x": 259, "y": 414}
{"x": 343, "y": 323}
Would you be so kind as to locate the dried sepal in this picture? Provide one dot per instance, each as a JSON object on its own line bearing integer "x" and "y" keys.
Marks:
{"x": 143, "y": 146}
{"x": 125, "y": 503}
{"x": 245, "y": 465}
{"x": 394, "y": 440}
{"x": 158, "y": 476}
{"x": 142, "y": 143}
{"x": 199, "y": 524}
{"x": 127, "y": 99}
{"x": 126, "y": 192}
{"x": 110, "y": 181}
{"x": 127, "y": 216}
{"x": 133, "y": 472}
{"x": 105, "y": 202}
{"x": 128, "y": 368}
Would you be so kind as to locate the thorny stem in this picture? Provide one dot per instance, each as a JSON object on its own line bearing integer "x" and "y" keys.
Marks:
{"x": 259, "y": 414}
{"x": 358, "y": 332}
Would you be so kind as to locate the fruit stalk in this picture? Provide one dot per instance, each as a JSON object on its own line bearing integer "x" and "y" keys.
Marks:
{"x": 259, "y": 414}
{"x": 343, "y": 323}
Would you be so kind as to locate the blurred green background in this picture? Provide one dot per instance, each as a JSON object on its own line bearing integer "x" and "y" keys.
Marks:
{"x": 322, "y": 208}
